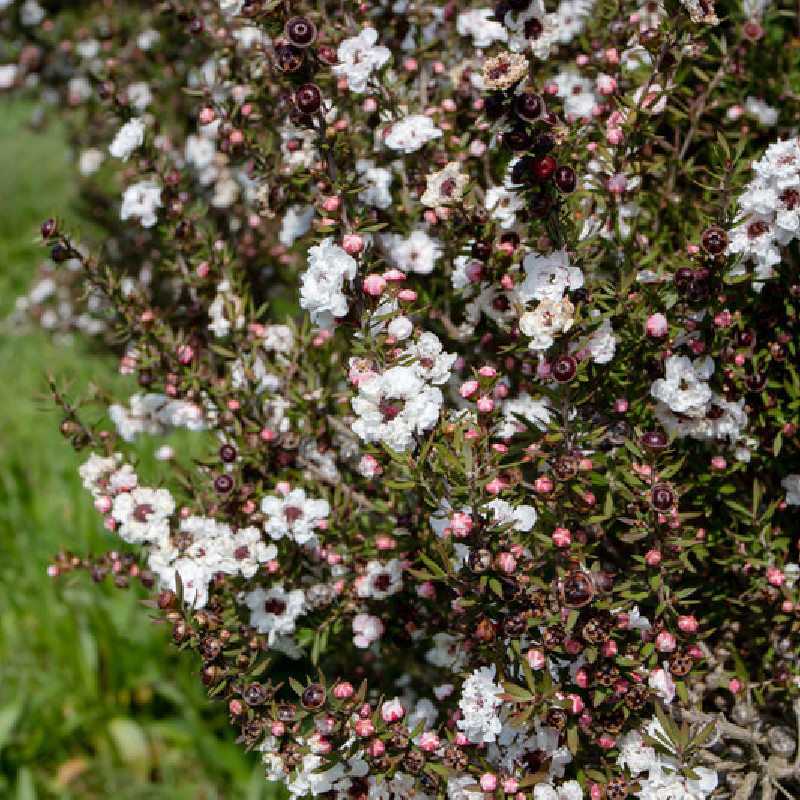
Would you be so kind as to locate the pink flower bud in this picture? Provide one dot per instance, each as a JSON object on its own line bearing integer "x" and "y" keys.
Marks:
{"x": 688, "y": 624}
{"x": 370, "y": 105}
{"x": 577, "y": 704}
{"x": 485, "y": 404}
{"x": 495, "y": 486}
{"x": 510, "y": 785}
{"x": 609, "y": 648}
{"x": 487, "y": 372}
{"x": 343, "y": 690}
{"x": 657, "y": 325}
{"x": 461, "y": 524}
{"x": 364, "y": 727}
{"x": 573, "y": 646}
{"x": 665, "y": 642}
{"x": 185, "y": 354}
{"x": 734, "y": 685}
{"x": 278, "y": 728}
{"x": 207, "y": 115}
{"x": 429, "y": 741}
{"x": 103, "y": 504}
{"x": 331, "y": 204}
{"x": 543, "y": 485}
{"x": 392, "y": 711}
{"x": 582, "y": 677}
{"x": 352, "y": 244}
{"x": 468, "y": 388}
{"x": 653, "y": 557}
{"x": 536, "y": 659}
{"x": 562, "y": 537}
{"x": 507, "y": 562}
{"x": 620, "y": 405}
{"x": 775, "y": 576}
{"x": 374, "y": 285}
{"x": 488, "y": 782}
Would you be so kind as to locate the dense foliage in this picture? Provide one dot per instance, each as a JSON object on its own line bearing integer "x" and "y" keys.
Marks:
{"x": 486, "y": 319}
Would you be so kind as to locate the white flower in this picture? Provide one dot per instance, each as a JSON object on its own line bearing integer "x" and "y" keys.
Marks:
{"x": 141, "y": 200}
{"x": 684, "y": 387}
{"x": 225, "y": 311}
{"x": 412, "y": 133}
{"x": 635, "y": 754}
{"x": 429, "y": 362}
{"x": 791, "y": 483}
{"x": 532, "y": 29}
{"x": 96, "y": 472}
{"x": 504, "y": 204}
{"x": 548, "y": 319}
{"x": 394, "y": 406}
{"x": 275, "y": 611}
{"x": 139, "y": 95}
{"x": 537, "y": 412}
{"x": 400, "y": 328}
{"x": 549, "y": 276}
{"x": 296, "y": 223}
{"x": 766, "y": 115}
{"x": 661, "y": 683}
{"x": 321, "y": 291}
{"x": 378, "y": 180}
{"x": 445, "y": 187}
{"x": 366, "y": 629}
{"x": 602, "y": 343}
{"x": 416, "y": 253}
{"x": 294, "y": 515}
{"x": 128, "y": 138}
{"x": 523, "y": 517}
{"x": 380, "y": 580}
{"x": 456, "y": 788}
{"x": 481, "y": 25}
{"x": 143, "y": 514}
{"x": 572, "y": 16}
{"x": 90, "y": 160}
{"x": 479, "y": 704}
{"x": 358, "y": 57}
{"x": 448, "y": 652}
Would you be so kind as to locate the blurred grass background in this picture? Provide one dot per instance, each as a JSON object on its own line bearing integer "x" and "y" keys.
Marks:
{"x": 94, "y": 701}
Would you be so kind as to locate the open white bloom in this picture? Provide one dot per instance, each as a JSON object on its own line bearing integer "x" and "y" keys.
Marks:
{"x": 366, "y": 630}
{"x": 225, "y": 311}
{"x": 378, "y": 189}
{"x": 572, "y": 16}
{"x": 522, "y": 518}
{"x": 128, "y": 138}
{"x": 412, "y": 133}
{"x": 445, "y": 187}
{"x": 294, "y": 515}
{"x": 602, "y": 343}
{"x": 532, "y": 29}
{"x": 481, "y": 25}
{"x": 321, "y": 290}
{"x": 684, "y": 386}
{"x": 547, "y": 320}
{"x": 504, "y": 204}
{"x": 479, "y": 704}
{"x": 358, "y": 57}
{"x": 275, "y": 611}
{"x": 392, "y": 407}
{"x": 416, "y": 253}
{"x": 143, "y": 514}
{"x": 380, "y": 580}
{"x": 430, "y": 363}
{"x": 296, "y": 222}
{"x": 549, "y": 276}
{"x": 141, "y": 200}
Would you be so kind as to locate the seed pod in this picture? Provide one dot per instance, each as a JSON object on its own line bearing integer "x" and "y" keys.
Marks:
{"x": 313, "y": 696}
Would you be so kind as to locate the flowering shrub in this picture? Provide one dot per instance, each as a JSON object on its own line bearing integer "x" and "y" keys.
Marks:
{"x": 486, "y": 321}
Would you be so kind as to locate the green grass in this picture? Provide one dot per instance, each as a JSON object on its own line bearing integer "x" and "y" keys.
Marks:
{"x": 94, "y": 701}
